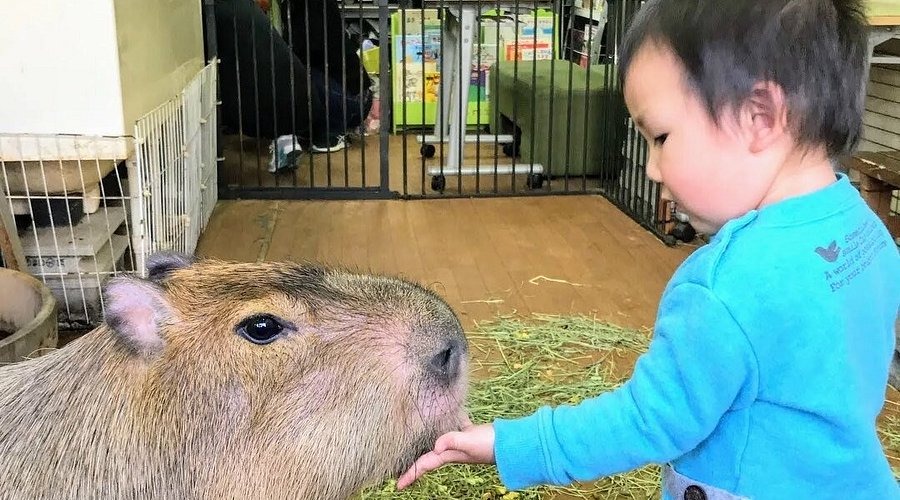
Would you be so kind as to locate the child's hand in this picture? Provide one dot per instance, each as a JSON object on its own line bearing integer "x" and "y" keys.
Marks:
{"x": 472, "y": 445}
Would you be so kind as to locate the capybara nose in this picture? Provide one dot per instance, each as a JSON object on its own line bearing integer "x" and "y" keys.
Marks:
{"x": 446, "y": 363}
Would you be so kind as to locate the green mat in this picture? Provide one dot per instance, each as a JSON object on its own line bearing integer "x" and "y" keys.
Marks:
{"x": 567, "y": 116}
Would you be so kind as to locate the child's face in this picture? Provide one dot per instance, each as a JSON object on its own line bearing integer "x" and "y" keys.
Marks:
{"x": 709, "y": 171}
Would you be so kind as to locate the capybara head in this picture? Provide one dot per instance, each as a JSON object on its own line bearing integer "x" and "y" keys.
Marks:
{"x": 214, "y": 379}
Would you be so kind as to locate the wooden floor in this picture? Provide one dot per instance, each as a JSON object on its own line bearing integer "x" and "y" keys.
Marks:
{"x": 571, "y": 254}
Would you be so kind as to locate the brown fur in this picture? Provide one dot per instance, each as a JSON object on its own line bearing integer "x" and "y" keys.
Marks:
{"x": 337, "y": 403}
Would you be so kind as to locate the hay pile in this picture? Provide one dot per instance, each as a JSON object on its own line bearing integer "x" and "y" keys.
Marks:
{"x": 548, "y": 360}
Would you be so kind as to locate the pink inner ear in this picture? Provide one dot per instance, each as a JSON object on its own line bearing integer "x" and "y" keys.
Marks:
{"x": 135, "y": 310}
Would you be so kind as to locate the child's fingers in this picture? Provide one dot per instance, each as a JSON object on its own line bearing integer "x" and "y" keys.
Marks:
{"x": 428, "y": 462}
{"x": 449, "y": 441}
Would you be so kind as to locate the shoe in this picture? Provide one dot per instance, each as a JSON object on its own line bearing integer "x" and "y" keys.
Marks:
{"x": 283, "y": 153}
{"x": 339, "y": 144}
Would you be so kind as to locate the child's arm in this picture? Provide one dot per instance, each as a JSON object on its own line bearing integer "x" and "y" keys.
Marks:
{"x": 699, "y": 366}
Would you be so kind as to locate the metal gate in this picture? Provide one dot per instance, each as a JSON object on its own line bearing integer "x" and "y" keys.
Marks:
{"x": 422, "y": 99}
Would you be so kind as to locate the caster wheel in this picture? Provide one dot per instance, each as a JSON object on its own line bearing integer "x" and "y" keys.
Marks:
{"x": 511, "y": 150}
{"x": 438, "y": 182}
{"x": 427, "y": 150}
{"x": 534, "y": 181}
{"x": 684, "y": 232}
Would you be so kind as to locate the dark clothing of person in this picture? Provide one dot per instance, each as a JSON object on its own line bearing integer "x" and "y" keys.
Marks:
{"x": 268, "y": 90}
{"x": 322, "y": 42}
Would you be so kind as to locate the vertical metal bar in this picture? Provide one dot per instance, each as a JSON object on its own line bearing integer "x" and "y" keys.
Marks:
{"x": 362, "y": 69}
{"x": 444, "y": 93}
{"x": 327, "y": 97}
{"x": 496, "y": 110}
{"x": 136, "y": 200}
{"x": 294, "y": 141}
{"x": 568, "y": 154}
{"x": 108, "y": 235}
{"x": 589, "y": 27}
{"x": 256, "y": 100}
{"x": 424, "y": 90}
{"x": 344, "y": 130}
{"x": 512, "y": 177}
{"x": 534, "y": 55}
{"x": 557, "y": 8}
{"x": 634, "y": 166}
{"x": 477, "y": 40}
{"x": 465, "y": 47}
{"x": 169, "y": 166}
{"x": 384, "y": 89}
{"x": 293, "y": 80}
{"x": 404, "y": 43}
{"x": 212, "y": 57}
{"x": 309, "y": 96}
{"x": 56, "y": 246}
{"x": 275, "y": 130}
{"x": 620, "y": 126}
{"x": 237, "y": 74}
{"x": 609, "y": 113}
{"x": 644, "y": 202}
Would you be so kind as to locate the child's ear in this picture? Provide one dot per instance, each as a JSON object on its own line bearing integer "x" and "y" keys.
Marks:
{"x": 135, "y": 311}
{"x": 764, "y": 117}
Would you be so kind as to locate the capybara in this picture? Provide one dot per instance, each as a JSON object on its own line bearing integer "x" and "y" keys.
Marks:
{"x": 214, "y": 380}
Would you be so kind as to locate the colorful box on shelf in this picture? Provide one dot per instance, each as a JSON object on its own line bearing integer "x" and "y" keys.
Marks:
{"x": 416, "y": 59}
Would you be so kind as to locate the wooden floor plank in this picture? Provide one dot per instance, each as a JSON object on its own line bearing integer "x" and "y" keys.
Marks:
{"x": 486, "y": 256}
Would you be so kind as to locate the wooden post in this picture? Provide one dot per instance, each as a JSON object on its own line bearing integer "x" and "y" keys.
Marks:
{"x": 10, "y": 246}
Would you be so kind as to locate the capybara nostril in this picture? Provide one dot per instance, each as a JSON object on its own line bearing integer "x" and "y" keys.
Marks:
{"x": 445, "y": 364}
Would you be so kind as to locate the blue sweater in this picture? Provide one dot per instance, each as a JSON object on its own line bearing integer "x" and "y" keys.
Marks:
{"x": 767, "y": 369}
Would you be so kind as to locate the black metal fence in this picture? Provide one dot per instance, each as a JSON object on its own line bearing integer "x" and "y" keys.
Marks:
{"x": 421, "y": 99}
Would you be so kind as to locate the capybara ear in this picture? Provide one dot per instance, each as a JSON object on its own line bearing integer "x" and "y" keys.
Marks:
{"x": 135, "y": 310}
{"x": 161, "y": 264}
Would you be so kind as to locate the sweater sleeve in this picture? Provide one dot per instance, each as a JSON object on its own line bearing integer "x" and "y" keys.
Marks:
{"x": 698, "y": 366}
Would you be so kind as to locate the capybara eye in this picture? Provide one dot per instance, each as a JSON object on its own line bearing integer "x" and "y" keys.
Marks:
{"x": 260, "y": 329}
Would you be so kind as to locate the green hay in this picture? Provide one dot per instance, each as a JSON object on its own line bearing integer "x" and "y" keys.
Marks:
{"x": 889, "y": 431}
{"x": 521, "y": 366}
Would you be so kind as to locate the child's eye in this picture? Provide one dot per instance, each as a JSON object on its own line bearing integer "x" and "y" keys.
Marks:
{"x": 660, "y": 139}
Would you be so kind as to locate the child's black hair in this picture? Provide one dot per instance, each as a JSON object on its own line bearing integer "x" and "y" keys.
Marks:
{"x": 816, "y": 50}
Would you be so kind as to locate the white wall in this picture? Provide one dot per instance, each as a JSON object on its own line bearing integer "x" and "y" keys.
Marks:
{"x": 59, "y": 68}
{"x": 160, "y": 51}
{"x": 90, "y": 67}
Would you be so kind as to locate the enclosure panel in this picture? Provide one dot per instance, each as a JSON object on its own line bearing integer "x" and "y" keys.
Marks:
{"x": 84, "y": 219}
{"x": 468, "y": 99}
{"x": 73, "y": 218}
